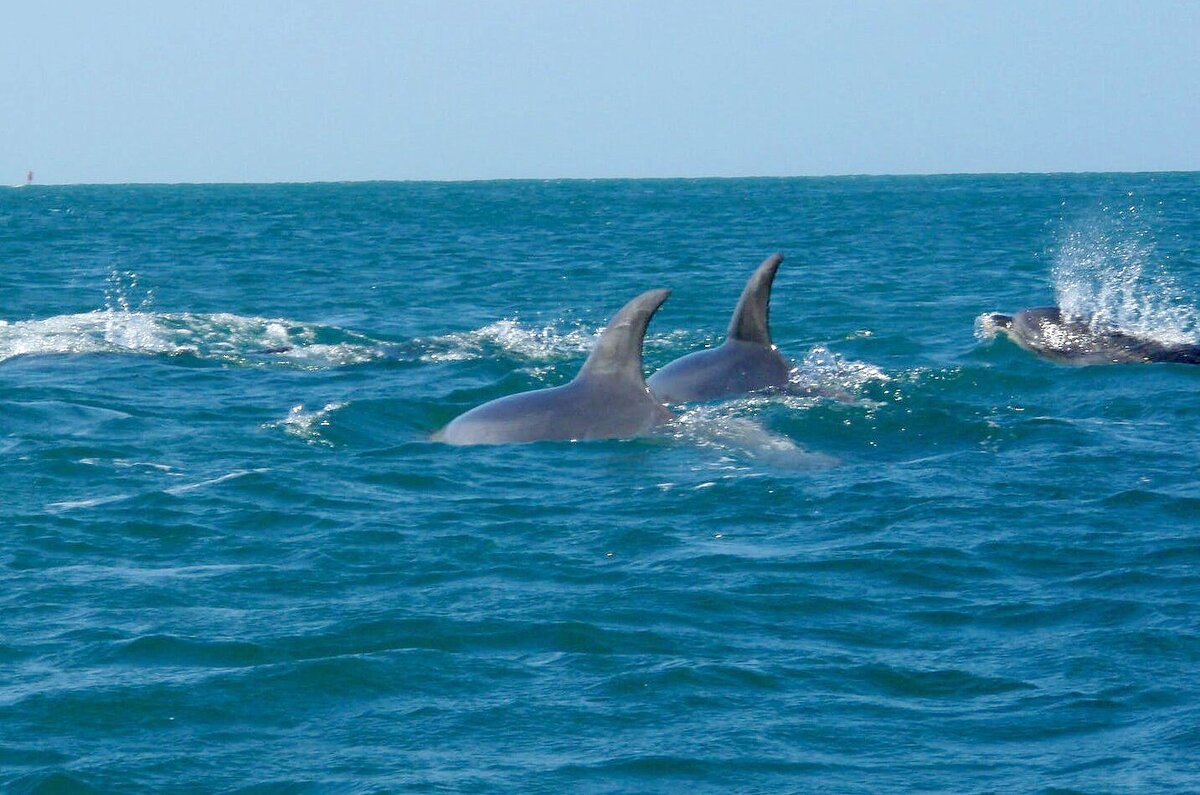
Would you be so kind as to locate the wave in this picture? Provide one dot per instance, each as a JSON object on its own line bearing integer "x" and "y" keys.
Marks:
{"x": 219, "y": 337}
{"x": 176, "y": 490}
{"x": 129, "y": 326}
{"x": 249, "y": 340}
{"x": 126, "y": 326}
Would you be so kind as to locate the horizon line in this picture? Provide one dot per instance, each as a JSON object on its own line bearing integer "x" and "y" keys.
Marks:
{"x": 469, "y": 180}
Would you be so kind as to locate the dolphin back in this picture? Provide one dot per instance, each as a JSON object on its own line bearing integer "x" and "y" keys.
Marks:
{"x": 618, "y": 352}
{"x": 1048, "y": 333}
{"x": 1182, "y": 354}
{"x": 747, "y": 361}
{"x": 608, "y": 399}
{"x": 750, "y": 322}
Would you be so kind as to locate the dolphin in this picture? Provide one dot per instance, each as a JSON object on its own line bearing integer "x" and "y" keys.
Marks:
{"x": 608, "y": 399}
{"x": 748, "y": 360}
{"x": 1048, "y": 333}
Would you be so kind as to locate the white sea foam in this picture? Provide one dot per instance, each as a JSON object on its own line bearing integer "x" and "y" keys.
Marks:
{"x": 827, "y": 374}
{"x": 90, "y": 332}
{"x": 305, "y": 424}
{"x": 508, "y": 336}
{"x": 221, "y": 337}
{"x": 129, "y": 326}
{"x": 538, "y": 345}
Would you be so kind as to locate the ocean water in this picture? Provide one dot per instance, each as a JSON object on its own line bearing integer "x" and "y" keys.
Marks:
{"x": 234, "y": 561}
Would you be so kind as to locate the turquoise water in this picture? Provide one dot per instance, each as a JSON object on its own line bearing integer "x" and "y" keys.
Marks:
{"x": 233, "y": 561}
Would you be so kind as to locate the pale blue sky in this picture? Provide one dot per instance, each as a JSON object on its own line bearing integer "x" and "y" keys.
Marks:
{"x": 345, "y": 90}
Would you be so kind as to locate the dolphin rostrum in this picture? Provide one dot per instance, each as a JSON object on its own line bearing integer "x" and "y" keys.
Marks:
{"x": 1048, "y": 333}
{"x": 608, "y": 398}
{"x": 748, "y": 360}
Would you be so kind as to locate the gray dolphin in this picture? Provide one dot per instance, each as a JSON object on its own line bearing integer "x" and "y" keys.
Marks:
{"x": 1046, "y": 332}
{"x": 608, "y": 399}
{"x": 748, "y": 360}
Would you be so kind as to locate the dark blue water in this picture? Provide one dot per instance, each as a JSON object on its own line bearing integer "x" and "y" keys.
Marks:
{"x": 233, "y": 560}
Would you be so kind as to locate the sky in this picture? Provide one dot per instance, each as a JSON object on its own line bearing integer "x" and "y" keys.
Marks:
{"x": 300, "y": 90}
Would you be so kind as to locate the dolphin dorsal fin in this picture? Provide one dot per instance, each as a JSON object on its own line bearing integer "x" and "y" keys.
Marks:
{"x": 618, "y": 352}
{"x": 749, "y": 323}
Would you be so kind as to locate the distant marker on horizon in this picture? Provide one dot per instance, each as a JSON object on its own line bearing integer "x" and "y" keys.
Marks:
{"x": 29, "y": 177}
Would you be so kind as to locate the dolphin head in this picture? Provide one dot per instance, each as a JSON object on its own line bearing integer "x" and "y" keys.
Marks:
{"x": 1040, "y": 329}
{"x": 1028, "y": 328}
{"x": 990, "y": 324}
{"x": 1047, "y": 332}
{"x": 1052, "y": 334}
{"x": 996, "y": 321}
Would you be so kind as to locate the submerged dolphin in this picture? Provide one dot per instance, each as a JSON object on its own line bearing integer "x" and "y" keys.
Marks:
{"x": 608, "y": 398}
{"x": 1046, "y": 332}
{"x": 748, "y": 360}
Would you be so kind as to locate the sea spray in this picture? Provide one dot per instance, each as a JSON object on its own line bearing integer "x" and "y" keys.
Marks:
{"x": 1108, "y": 271}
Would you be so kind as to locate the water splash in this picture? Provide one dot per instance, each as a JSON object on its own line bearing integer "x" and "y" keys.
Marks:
{"x": 125, "y": 327}
{"x": 827, "y": 374}
{"x": 509, "y": 337}
{"x": 1107, "y": 272}
{"x": 538, "y": 350}
{"x": 233, "y": 339}
{"x": 127, "y": 324}
{"x": 986, "y": 327}
{"x": 272, "y": 341}
{"x": 307, "y": 425}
